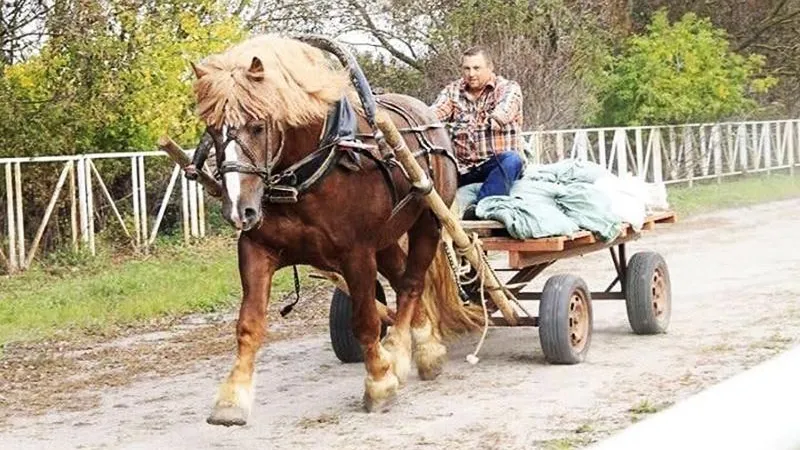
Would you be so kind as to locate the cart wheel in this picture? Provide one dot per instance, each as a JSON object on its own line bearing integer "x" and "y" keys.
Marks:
{"x": 565, "y": 319}
{"x": 340, "y": 325}
{"x": 648, "y": 294}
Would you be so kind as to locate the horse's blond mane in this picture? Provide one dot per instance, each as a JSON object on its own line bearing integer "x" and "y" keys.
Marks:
{"x": 296, "y": 86}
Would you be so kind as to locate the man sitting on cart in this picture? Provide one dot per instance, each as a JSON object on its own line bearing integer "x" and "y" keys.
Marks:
{"x": 484, "y": 112}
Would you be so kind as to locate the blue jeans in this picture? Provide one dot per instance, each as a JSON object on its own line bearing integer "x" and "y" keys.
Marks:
{"x": 497, "y": 174}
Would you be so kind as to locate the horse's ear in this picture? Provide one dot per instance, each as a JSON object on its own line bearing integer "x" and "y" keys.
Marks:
{"x": 256, "y": 70}
{"x": 199, "y": 71}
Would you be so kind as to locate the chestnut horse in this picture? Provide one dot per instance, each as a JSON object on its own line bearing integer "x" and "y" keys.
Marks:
{"x": 304, "y": 192}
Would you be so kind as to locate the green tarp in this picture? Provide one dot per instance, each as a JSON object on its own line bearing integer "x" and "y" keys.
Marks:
{"x": 551, "y": 200}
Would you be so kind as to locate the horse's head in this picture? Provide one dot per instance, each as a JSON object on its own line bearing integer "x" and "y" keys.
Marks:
{"x": 246, "y": 156}
{"x": 249, "y": 97}
{"x": 247, "y": 149}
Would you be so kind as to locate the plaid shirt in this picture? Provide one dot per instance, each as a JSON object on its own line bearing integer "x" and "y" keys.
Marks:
{"x": 474, "y": 137}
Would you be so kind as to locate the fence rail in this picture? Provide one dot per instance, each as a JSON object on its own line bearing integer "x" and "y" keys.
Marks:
{"x": 662, "y": 154}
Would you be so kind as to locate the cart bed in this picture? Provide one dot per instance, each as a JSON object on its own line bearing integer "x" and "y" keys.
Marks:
{"x": 526, "y": 252}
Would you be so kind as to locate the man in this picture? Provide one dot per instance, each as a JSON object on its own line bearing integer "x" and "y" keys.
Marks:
{"x": 484, "y": 111}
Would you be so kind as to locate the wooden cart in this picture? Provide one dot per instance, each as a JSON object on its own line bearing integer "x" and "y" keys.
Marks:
{"x": 565, "y": 318}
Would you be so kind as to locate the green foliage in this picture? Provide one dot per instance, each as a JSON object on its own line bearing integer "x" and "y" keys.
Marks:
{"x": 750, "y": 190}
{"x": 676, "y": 73}
{"x": 388, "y": 75}
{"x": 86, "y": 298}
{"x": 112, "y": 79}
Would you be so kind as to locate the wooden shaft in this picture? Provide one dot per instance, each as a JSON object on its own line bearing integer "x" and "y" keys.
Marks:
{"x": 435, "y": 202}
{"x": 182, "y": 159}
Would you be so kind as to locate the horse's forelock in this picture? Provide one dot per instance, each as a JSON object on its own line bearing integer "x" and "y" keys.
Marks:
{"x": 294, "y": 90}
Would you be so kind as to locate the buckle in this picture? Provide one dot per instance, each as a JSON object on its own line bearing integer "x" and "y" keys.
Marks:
{"x": 282, "y": 194}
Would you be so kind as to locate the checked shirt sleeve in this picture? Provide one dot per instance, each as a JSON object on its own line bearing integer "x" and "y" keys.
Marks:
{"x": 509, "y": 106}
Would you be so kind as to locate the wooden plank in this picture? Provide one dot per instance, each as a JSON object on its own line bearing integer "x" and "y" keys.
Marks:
{"x": 583, "y": 237}
{"x": 527, "y": 245}
{"x": 663, "y": 217}
{"x": 525, "y": 259}
{"x": 520, "y": 251}
{"x": 482, "y": 224}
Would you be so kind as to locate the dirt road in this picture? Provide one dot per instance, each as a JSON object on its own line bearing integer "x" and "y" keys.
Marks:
{"x": 736, "y": 301}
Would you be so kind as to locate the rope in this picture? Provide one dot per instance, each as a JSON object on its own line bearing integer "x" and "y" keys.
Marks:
{"x": 481, "y": 273}
{"x": 475, "y": 244}
{"x": 472, "y": 358}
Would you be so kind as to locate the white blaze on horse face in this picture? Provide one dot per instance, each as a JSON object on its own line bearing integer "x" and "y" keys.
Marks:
{"x": 232, "y": 180}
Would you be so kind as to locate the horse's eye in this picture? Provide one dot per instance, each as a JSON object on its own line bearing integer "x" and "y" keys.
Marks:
{"x": 257, "y": 128}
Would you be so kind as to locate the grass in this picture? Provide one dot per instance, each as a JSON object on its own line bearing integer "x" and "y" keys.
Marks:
{"x": 711, "y": 195}
{"x": 645, "y": 407}
{"x": 95, "y": 296}
{"x": 76, "y": 293}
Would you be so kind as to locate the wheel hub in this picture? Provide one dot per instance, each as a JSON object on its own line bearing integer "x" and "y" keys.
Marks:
{"x": 578, "y": 321}
{"x": 659, "y": 291}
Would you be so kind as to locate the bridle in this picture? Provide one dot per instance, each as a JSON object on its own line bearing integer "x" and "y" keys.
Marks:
{"x": 252, "y": 167}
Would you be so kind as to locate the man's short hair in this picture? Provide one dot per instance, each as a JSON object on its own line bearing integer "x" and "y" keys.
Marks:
{"x": 477, "y": 50}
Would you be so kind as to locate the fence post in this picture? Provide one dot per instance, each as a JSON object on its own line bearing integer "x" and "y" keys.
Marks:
{"x": 137, "y": 223}
{"x": 12, "y": 244}
{"x": 19, "y": 216}
{"x": 143, "y": 201}
{"x": 82, "y": 212}
{"x": 73, "y": 206}
{"x": 87, "y": 166}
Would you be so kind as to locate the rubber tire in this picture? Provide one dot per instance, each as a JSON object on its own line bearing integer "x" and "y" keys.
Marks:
{"x": 554, "y": 335}
{"x": 639, "y": 294}
{"x": 340, "y": 325}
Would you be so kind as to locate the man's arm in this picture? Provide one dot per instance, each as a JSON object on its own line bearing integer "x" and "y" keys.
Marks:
{"x": 443, "y": 106}
{"x": 509, "y": 105}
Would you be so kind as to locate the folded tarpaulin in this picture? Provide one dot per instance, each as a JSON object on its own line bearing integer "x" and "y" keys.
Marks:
{"x": 562, "y": 198}
{"x": 530, "y": 211}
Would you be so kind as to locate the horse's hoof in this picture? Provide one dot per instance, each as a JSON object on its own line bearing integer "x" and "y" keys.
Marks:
{"x": 429, "y": 373}
{"x": 430, "y": 359}
{"x": 380, "y": 395}
{"x": 382, "y": 405}
{"x": 228, "y": 416}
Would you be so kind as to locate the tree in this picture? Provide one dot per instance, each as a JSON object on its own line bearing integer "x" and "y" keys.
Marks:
{"x": 765, "y": 27}
{"x": 681, "y": 72}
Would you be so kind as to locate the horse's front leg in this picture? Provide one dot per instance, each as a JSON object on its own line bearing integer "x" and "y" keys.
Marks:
{"x": 381, "y": 383}
{"x": 235, "y": 397}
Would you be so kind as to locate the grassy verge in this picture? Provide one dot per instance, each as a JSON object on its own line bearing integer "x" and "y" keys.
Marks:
{"x": 94, "y": 296}
{"x": 711, "y": 195}
{"x": 97, "y": 296}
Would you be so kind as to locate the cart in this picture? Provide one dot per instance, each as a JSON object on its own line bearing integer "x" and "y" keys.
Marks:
{"x": 565, "y": 318}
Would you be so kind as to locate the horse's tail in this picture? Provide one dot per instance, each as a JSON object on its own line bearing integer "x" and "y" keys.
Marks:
{"x": 441, "y": 299}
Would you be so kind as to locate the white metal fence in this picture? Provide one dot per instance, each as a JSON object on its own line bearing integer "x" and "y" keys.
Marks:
{"x": 669, "y": 154}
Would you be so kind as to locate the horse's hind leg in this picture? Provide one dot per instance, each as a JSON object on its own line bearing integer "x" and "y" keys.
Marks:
{"x": 235, "y": 397}
{"x": 412, "y": 318}
{"x": 429, "y": 351}
{"x": 392, "y": 264}
{"x": 360, "y": 272}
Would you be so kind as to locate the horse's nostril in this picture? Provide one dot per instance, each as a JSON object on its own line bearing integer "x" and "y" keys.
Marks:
{"x": 250, "y": 214}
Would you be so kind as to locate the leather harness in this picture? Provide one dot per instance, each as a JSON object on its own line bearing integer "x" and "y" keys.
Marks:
{"x": 340, "y": 146}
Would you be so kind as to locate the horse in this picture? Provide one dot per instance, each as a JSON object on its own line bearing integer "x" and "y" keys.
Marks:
{"x": 306, "y": 183}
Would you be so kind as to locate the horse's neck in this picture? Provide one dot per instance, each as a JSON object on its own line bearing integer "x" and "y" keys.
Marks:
{"x": 299, "y": 143}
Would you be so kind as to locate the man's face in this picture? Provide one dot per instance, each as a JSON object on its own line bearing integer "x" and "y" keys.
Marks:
{"x": 476, "y": 71}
